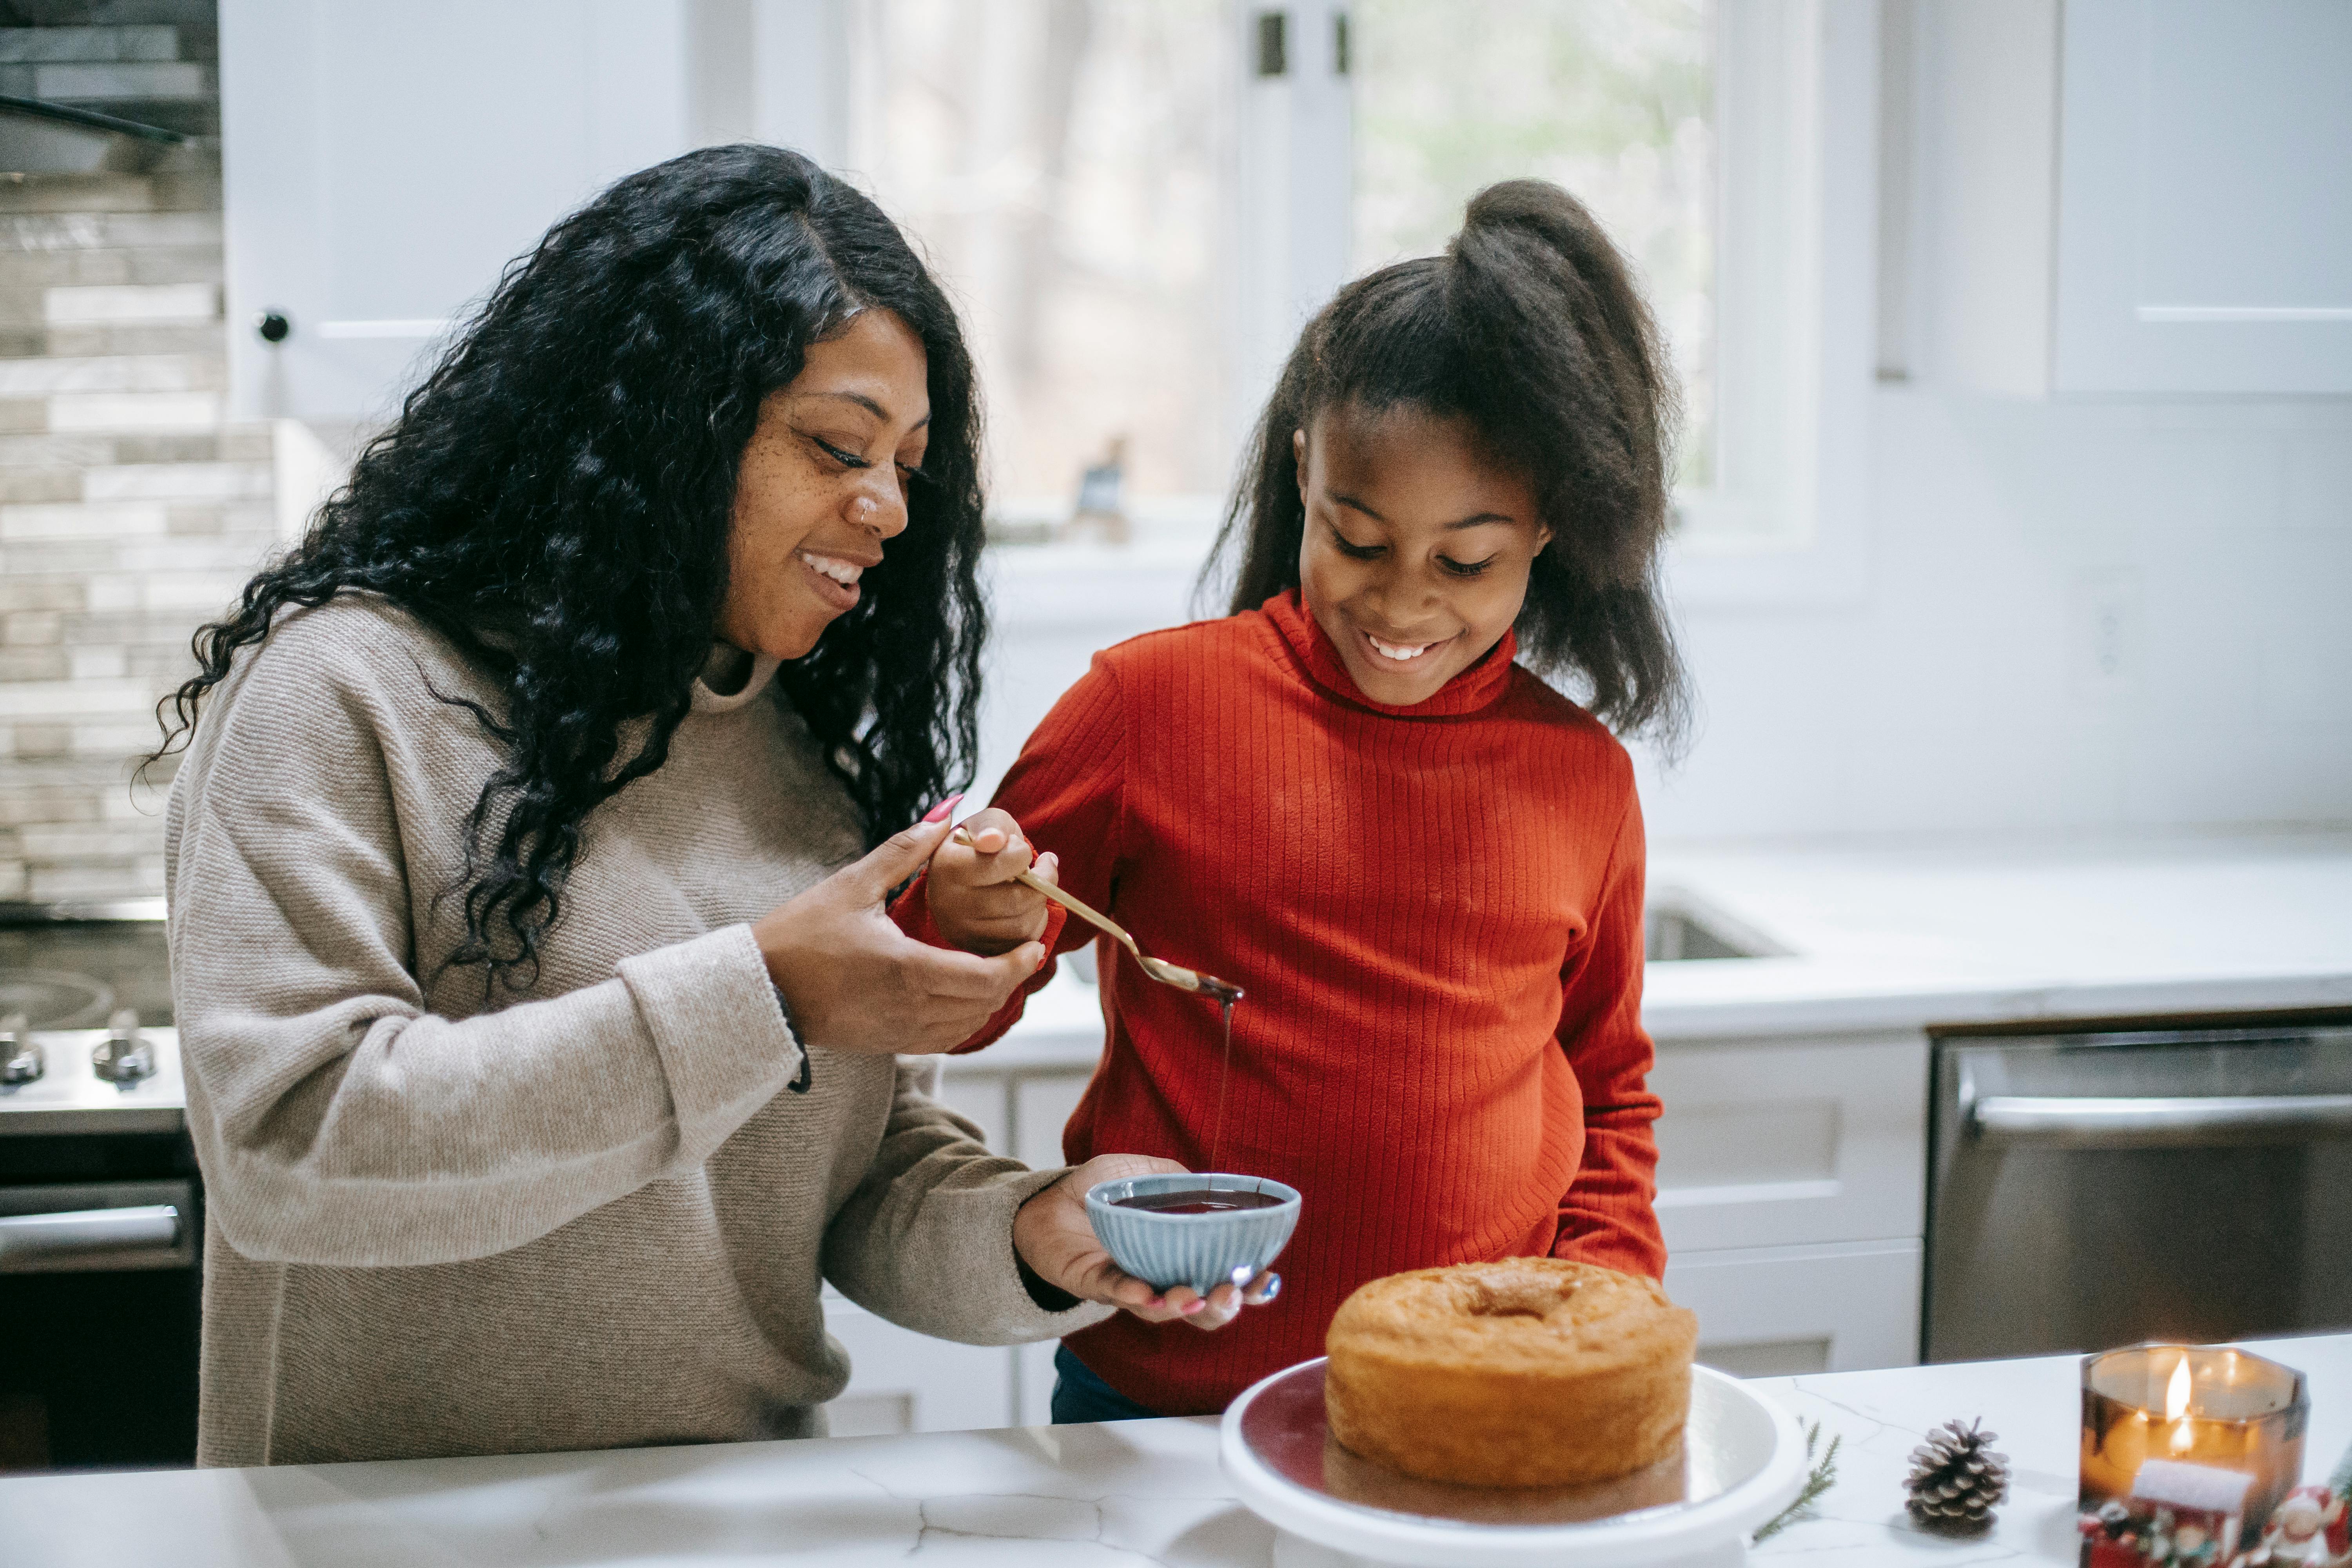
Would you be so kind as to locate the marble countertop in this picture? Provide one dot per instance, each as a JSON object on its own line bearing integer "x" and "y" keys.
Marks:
{"x": 1132, "y": 1493}
{"x": 2035, "y": 1404}
{"x": 1971, "y": 931}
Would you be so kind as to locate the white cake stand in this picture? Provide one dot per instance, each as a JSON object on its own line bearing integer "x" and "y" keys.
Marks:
{"x": 1743, "y": 1461}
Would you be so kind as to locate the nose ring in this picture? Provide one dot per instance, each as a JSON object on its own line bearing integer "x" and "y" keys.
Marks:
{"x": 861, "y": 511}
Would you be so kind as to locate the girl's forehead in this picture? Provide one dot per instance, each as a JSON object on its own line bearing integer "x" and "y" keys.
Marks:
{"x": 1418, "y": 459}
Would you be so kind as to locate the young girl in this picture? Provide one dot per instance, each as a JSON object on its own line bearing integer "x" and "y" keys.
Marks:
{"x": 1355, "y": 798}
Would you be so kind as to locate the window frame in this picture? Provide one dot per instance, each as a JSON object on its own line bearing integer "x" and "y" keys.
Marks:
{"x": 1796, "y": 311}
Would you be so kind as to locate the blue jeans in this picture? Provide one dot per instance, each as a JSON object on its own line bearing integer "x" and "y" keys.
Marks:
{"x": 1079, "y": 1396}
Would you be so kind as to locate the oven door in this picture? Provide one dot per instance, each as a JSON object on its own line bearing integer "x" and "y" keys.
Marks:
{"x": 104, "y": 1274}
{"x": 2097, "y": 1190}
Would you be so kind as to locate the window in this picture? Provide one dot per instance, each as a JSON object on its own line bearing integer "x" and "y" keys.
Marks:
{"x": 1139, "y": 203}
{"x": 1066, "y": 164}
{"x": 1613, "y": 99}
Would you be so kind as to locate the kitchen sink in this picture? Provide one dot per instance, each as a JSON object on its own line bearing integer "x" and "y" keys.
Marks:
{"x": 1675, "y": 931}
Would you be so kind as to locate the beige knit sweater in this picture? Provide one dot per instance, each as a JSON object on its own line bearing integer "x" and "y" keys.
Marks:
{"x": 592, "y": 1218}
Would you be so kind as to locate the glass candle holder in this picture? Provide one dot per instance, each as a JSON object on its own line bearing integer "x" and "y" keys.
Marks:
{"x": 2198, "y": 1410}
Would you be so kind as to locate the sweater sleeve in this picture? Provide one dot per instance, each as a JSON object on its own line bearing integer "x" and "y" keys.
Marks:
{"x": 339, "y": 1121}
{"x": 926, "y": 1240}
{"x": 1606, "y": 1216}
{"x": 1067, "y": 791}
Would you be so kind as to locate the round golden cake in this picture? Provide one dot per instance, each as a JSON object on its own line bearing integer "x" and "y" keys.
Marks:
{"x": 1529, "y": 1372}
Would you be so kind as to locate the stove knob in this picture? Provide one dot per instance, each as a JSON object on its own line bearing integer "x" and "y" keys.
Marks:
{"x": 123, "y": 1058}
{"x": 20, "y": 1059}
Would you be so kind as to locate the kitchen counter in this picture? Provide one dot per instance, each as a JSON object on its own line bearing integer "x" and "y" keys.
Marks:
{"x": 1963, "y": 932}
{"x": 1971, "y": 933}
{"x": 1134, "y": 1492}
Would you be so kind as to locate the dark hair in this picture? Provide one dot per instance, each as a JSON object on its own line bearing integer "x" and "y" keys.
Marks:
{"x": 556, "y": 498}
{"x": 1530, "y": 329}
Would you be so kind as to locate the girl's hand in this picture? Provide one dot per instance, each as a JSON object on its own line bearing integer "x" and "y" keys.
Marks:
{"x": 855, "y": 982}
{"x": 1055, "y": 1238}
{"x": 974, "y": 900}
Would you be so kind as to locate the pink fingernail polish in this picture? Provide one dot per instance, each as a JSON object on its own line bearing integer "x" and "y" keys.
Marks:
{"x": 939, "y": 812}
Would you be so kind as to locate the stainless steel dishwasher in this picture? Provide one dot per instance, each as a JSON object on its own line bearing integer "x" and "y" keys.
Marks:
{"x": 2093, "y": 1189}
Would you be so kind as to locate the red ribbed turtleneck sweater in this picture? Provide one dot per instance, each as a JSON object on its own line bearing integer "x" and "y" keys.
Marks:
{"x": 1437, "y": 913}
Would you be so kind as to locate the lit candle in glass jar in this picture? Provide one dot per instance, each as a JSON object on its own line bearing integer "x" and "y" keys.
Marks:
{"x": 2191, "y": 1407}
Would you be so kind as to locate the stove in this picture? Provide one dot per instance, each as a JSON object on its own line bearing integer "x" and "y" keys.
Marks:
{"x": 100, "y": 1203}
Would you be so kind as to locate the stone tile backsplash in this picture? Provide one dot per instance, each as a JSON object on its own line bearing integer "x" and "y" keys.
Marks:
{"x": 129, "y": 511}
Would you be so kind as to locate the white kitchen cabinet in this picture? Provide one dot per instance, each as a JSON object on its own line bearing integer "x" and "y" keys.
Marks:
{"x": 2124, "y": 196}
{"x": 2205, "y": 197}
{"x": 1792, "y": 1194}
{"x": 1772, "y": 1142}
{"x": 382, "y": 164}
{"x": 1771, "y": 1311}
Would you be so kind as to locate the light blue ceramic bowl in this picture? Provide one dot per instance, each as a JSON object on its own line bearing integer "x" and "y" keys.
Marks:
{"x": 1202, "y": 1250}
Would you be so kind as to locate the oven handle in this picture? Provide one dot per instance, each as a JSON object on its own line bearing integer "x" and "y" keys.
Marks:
{"x": 2086, "y": 1120}
{"x": 30, "y": 1236}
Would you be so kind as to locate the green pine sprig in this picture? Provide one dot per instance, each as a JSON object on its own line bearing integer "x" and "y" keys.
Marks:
{"x": 1821, "y": 1479}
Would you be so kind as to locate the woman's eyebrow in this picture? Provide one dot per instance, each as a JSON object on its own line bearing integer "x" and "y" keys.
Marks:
{"x": 1355, "y": 505}
{"x": 1480, "y": 520}
{"x": 868, "y": 405}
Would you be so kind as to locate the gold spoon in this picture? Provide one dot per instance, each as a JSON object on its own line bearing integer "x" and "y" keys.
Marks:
{"x": 1166, "y": 973}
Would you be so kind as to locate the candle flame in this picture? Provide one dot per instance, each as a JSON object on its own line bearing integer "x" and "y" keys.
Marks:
{"x": 2176, "y": 1405}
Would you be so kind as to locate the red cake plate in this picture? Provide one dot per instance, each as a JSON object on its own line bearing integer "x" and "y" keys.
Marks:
{"x": 1742, "y": 1461}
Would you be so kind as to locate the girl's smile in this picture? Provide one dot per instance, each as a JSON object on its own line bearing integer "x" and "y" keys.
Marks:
{"x": 1415, "y": 555}
{"x": 1403, "y": 653}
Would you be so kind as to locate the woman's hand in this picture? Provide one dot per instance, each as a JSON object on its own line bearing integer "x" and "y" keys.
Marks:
{"x": 1055, "y": 1238}
{"x": 974, "y": 900}
{"x": 855, "y": 982}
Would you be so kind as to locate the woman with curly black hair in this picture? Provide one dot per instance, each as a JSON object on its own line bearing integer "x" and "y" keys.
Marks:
{"x": 539, "y": 1011}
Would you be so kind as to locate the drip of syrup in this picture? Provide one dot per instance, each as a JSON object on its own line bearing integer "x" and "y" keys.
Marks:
{"x": 1226, "y": 995}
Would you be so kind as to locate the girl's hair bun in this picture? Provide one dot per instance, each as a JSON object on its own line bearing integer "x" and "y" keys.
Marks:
{"x": 1538, "y": 206}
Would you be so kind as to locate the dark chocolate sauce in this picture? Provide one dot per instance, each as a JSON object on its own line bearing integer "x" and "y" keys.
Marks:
{"x": 1225, "y": 999}
{"x": 1197, "y": 1200}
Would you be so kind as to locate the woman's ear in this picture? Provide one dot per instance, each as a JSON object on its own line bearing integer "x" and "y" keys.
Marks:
{"x": 1299, "y": 461}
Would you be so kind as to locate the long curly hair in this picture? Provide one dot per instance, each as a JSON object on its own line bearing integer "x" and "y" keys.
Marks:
{"x": 555, "y": 500}
{"x": 1528, "y": 327}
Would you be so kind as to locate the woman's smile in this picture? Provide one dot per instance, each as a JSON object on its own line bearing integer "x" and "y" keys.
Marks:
{"x": 835, "y": 577}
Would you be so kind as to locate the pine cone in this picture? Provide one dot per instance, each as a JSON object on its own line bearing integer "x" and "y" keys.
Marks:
{"x": 1956, "y": 1479}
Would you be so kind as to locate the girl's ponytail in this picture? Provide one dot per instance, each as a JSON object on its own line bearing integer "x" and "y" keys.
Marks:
{"x": 1531, "y": 268}
{"x": 1529, "y": 328}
